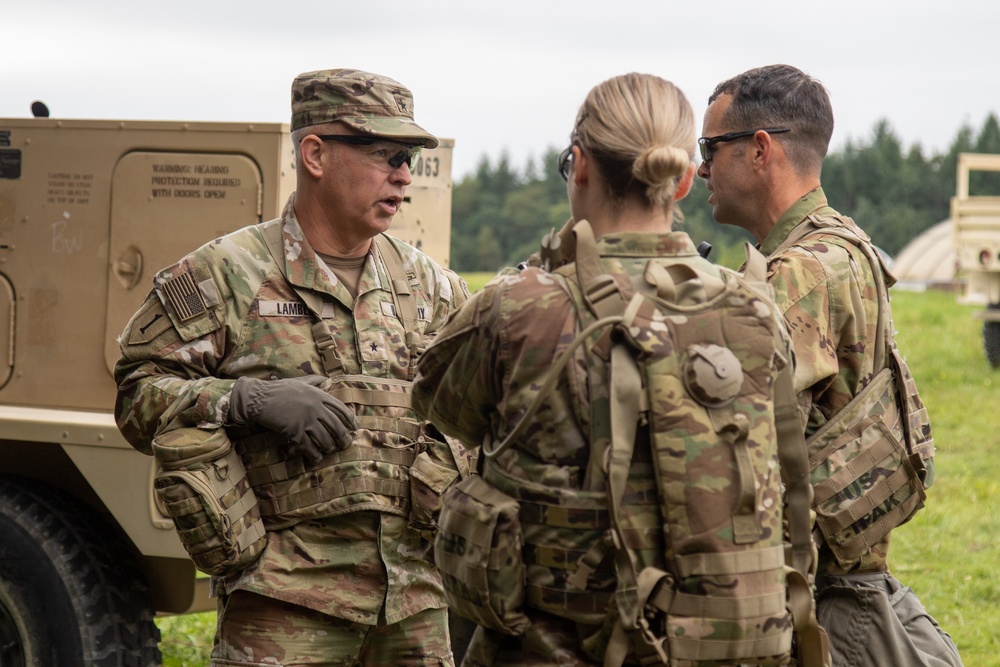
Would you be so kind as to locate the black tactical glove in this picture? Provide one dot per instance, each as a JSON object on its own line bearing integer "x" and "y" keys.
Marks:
{"x": 314, "y": 422}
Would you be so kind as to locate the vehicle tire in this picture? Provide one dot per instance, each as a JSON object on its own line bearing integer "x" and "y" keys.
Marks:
{"x": 70, "y": 593}
{"x": 991, "y": 338}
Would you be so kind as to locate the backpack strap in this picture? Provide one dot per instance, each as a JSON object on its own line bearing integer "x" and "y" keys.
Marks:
{"x": 801, "y": 556}
{"x": 600, "y": 291}
{"x": 794, "y": 461}
{"x": 631, "y": 630}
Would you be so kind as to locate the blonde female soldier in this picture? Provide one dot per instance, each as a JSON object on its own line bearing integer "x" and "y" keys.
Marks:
{"x": 621, "y": 393}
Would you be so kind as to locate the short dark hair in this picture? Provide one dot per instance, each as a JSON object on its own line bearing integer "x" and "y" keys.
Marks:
{"x": 782, "y": 96}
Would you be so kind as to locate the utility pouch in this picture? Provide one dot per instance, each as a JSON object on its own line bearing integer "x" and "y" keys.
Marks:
{"x": 209, "y": 499}
{"x": 429, "y": 479}
{"x": 865, "y": 482}
{"x": 478, "y": 551}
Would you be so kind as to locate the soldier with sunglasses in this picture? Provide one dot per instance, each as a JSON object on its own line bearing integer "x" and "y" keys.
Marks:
{"x": 295, "y": 341}
{"x": 767, "y": 131}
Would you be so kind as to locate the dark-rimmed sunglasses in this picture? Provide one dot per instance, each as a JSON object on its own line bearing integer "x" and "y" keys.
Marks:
{"x": 707, "y": 144}
{"x": 564, "y": 161}
{"x": 407, "y": 155}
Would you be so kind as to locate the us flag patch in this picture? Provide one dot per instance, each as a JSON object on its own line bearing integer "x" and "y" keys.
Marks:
{"x": 183, "y": 294}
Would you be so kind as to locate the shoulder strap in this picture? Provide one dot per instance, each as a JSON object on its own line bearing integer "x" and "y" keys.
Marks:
{"x": 794, "y": 462}
{"x": 634, "y": 588}
{"x": 402, "y": 298}
{"x": 600, "y": 291}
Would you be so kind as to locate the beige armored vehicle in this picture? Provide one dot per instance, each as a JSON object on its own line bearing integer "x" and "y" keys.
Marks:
{"x": 976, "y": 224}
{"x": 89, "y": 211}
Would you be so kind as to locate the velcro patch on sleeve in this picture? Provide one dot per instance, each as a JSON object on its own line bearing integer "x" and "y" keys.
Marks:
{"x": 184, "y": 296}
{"x": 148, "y": 323}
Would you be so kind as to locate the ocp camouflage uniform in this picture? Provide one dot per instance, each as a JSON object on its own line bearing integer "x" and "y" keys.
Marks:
{"x": 825, "y": 288}
{"x": 177, "y": 370}
{"x": 824, "y": 285}
{"x": 478, "y": 379}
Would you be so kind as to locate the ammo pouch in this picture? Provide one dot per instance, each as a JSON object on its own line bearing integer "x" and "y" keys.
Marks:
{"x": 478, "y": 551}
{"x": 865, "y": 481}
{"x": 204, "y": 488}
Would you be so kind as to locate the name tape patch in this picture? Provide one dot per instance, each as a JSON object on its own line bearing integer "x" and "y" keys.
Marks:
{"x": 282, "y": 309}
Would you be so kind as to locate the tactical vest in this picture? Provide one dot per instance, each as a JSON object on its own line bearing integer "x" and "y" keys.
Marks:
{"x": 871, "y": 463}
{"x": 392, "y": 451}
{"x": 678, "y": 542}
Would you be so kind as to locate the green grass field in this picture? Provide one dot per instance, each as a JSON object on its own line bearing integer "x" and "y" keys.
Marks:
{"x": 948, "y": 553}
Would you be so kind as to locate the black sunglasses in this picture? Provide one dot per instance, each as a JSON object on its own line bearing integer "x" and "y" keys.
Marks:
{"x": 407, "y": 155}
{"x": 706, "y": 144}
{"x": 563, "y": 162}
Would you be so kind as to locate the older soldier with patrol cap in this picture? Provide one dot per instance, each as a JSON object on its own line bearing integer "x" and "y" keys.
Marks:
{"x": 293, "y": 343}
{"x": 767, "y": 131}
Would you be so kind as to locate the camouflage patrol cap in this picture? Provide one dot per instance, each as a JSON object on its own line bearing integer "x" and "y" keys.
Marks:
{"x": 366, "y": 102}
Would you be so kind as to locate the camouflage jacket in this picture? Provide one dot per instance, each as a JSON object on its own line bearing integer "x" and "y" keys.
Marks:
{"x": 824, "y": 286}
{"x": 246, "y": 319}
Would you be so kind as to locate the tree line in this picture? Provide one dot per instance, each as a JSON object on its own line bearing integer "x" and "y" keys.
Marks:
{"x": 500, "y": 211}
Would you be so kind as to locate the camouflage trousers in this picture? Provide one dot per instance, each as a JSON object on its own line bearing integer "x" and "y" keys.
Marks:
{"x": 254, "y": 630}
{"x": 873, "y": 620}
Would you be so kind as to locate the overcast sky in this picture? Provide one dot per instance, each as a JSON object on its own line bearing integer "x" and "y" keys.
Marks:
{"x": 497, "y": 76}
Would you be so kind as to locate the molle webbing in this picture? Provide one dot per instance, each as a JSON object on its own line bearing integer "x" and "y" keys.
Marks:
{"x": 366, "y": 475}
{"x": 273, "y": 468}
{"x": 551, "y": 519}
{"x": 354, "y": 486}
{"x": 283, "y": 485}
{"x": 871, "y": 485}
{"x": 372, "y": 397}
{"x": 214, "y": 510}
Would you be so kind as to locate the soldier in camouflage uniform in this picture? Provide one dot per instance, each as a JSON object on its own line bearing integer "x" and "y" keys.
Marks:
{"x": 625, "y": 170}
{"x": 280, "y": 334}
{"x": 766, "y": 132}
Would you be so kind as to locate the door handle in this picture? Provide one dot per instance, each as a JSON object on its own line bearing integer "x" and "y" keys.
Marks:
{"x": 128, "y": 267}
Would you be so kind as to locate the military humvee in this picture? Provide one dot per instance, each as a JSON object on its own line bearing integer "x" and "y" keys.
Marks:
{"x": 976, "y": 227}
{"x": 89, "y": 211}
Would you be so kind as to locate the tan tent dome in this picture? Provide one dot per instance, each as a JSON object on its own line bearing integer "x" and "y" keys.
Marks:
{"x": 928, "y": 260}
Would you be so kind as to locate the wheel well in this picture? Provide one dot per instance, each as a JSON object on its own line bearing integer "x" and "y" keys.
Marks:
{"x": 48, "y": 465}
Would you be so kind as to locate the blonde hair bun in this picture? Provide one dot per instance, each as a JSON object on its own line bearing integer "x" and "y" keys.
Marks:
{"x": 657, "y": 165}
